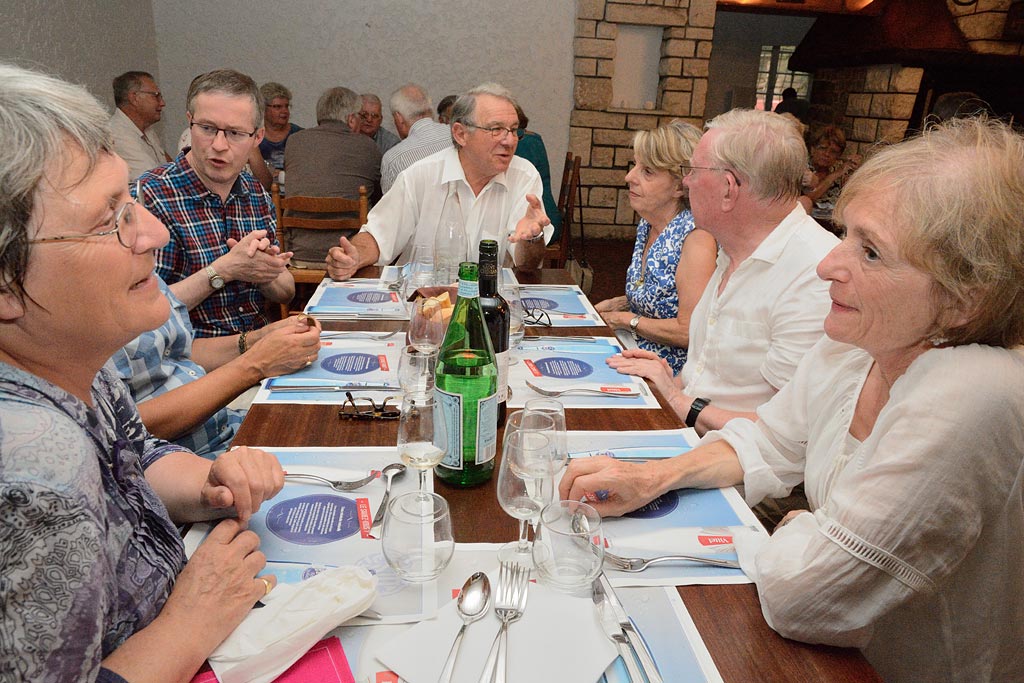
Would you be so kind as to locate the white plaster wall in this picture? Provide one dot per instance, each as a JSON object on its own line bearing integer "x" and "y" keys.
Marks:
{"x": 734, "y": 59}
{"x": 377, "y": 46}
{"x": 83, "y": 41}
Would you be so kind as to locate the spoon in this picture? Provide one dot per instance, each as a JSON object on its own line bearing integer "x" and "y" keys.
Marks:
{"x": 390, "y": 471}
{"x": 472, "y": 604}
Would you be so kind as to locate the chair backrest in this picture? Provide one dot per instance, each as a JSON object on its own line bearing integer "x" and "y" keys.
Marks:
{"x": 330, "y": 207}
{"x": 567, "y": 194}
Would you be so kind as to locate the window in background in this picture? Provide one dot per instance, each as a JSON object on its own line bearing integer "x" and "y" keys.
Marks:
{"x": 774, "y": 76}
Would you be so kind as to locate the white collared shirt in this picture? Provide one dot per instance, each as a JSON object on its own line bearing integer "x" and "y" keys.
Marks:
{"x": 411, "y": 210}
{"x": 141, "y": 150}
{"x": 745, "y": 343}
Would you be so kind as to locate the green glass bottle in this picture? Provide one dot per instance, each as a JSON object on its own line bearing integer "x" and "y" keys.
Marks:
{"x": 466, "y": 390}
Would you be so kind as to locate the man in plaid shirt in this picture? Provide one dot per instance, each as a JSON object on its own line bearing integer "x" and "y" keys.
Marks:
{"x": 223, "y": 258}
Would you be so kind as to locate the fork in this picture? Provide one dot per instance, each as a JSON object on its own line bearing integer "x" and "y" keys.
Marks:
{"x": 629, "y": 392}
{"x": 336, "y": 485}
{"x": 638, "y": 564}
{"x": 358, "y": 335}
{"x": 509, "y": 603}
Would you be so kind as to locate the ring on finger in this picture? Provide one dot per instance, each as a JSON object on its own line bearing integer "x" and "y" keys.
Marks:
{"x": 267, "y": 586}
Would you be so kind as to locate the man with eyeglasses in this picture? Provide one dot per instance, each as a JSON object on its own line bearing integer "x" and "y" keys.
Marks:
{"x": 495, "y": 194}
{"x": 370, "y": 118}
{"x": 223, "y": 260}
{"x": 138, "y": 105}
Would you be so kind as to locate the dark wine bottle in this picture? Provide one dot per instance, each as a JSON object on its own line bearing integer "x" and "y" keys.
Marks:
{"x": 496, "y": 317}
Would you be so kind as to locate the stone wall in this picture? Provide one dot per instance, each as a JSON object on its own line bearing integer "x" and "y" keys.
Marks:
{"x": 982, "y": 25}
{"x": 601, "y": 134}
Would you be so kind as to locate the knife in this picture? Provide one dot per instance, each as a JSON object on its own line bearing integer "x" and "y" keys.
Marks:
{"x": 614, "y": 631}
{"x": 636, "y": 641}
{"x": 274, "y": 388}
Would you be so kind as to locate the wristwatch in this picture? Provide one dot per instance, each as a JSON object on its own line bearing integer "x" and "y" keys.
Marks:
{"x": 216, "y": 281}
{"x": 698, "y": 405}
{"x": 633, "y": 324}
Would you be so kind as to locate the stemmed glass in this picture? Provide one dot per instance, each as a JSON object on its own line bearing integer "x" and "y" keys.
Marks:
{"x": 556, "y": 411}
{"x": 522, "y": 490}
{"x": 516, "y": 325}
{"x": 426, "y": 325}
{"x": 422, "y": 440}
{"x": 416, "y": 370}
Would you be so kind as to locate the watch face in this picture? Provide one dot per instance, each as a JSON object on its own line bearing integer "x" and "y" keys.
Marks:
{"x": 217, "y": 281}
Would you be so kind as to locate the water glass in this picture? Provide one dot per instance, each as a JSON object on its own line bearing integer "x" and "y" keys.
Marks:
{"x": 422, "y": 439}
{"x": 516, "y": 324}
{"x": 556, "y": 411}
{"x": 417, "y": 539}
{"x": 416, "y": 370}
{"x": 569, "y": 548}
{"x": 426, "y": 325}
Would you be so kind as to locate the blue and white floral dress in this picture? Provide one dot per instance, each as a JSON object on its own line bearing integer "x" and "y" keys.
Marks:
{"x": 651, "y": 281}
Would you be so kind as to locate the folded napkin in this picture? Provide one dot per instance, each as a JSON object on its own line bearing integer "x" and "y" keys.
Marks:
{"x": 558, "y": 638}
{"x": 293, "y": 619}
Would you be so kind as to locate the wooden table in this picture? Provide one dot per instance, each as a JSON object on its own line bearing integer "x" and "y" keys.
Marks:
{"x": 728, "y": 617}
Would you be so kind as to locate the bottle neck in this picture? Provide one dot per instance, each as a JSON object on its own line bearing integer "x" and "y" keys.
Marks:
{"x": 488, "y": 278}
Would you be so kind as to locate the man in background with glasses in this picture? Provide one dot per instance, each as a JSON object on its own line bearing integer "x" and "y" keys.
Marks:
{"x": 223, "y": 260}
{"x": 478, "y": 181}
{"x": 370, "y": 117}
{"x": 138, "y": 106}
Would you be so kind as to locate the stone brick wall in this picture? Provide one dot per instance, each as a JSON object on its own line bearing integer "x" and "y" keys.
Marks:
{"x": 601, "y": 134}
{"x": 982, "y": 26}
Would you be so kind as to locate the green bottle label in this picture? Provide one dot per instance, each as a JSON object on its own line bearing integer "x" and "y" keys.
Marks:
{"x": 481, "y": 432}
{"x": 469, "y": 289}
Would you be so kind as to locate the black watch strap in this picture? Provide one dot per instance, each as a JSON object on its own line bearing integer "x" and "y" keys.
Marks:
{"x": 698, "y": 405}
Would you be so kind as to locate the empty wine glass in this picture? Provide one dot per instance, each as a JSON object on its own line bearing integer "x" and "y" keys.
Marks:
{"x": 516, "y": 325}
{"x": 416, "y": 370}
{"x": 420, "y": 271}
{"x": 524, "y": 486}
{"x": 556, "y": 411}
{"x": 417, "y": 538}
{"x": 426, "y": 325}
{"x": 422, "y": 440}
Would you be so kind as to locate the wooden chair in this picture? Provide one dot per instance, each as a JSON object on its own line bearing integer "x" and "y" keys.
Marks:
{"x": 557, "y": 254}
{"x": 309, "y": 278}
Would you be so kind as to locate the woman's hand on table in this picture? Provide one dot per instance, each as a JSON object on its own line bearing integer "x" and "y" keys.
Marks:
{"x": 618, "y": 303}
{"x": 242, "y": 478}
{"x": 617, "y": 320}
{"x": 611, "y": 486}
{"x": 646, "y": 364}
{"x": 218, "y": 586}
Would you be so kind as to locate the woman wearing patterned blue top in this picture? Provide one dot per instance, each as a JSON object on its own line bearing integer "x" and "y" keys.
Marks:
{"x": 672, "y": 260}
{"x": 95, "y": 584}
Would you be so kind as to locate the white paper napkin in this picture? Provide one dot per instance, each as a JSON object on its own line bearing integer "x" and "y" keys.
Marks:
{"x": 293, "y": 619}
{"x": 558, "y": 638}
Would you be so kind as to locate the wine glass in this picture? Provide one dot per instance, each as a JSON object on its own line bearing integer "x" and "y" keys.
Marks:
{"x": 516, "y": 325}
{"x": 417, "y": 537}
{"x": 420, "y": 271}
{"x": 426, "y": 325}
{"x": 523, "y": 488}
{"x": 556, "y": 411}
{"x": 422, "y": 439}
{"x": 416, "y": 370}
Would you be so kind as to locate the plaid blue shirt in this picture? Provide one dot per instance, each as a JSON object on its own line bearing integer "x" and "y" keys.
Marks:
{"x": 156, "y": 362}
{"x": 200, "y": 225}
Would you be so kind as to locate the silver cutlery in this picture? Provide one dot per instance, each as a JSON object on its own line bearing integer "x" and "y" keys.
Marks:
{"x": 625, "y": 392}
{"x": 293, "y": 388}
{"x": 472, "y": 603}
{"x": 509, "y": 603}
{"x": 638, "y": 564}
{"x": 390, "y": 471}
{"x": 583, "y": 340}
{"x": 336, "y": 485}
{"x": 613, "y": 630}
{"x": 636, "y": 641}
{"x": 359, "y": 335}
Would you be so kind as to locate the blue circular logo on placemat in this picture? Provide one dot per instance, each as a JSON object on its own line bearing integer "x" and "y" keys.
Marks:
{"x": 531, "y": 302}
{"x": 351, "y": 363}
{"x": 313, "y": 520}
{"x": 564, "y": 367}
{"x": 659, "y": 507}
{"x": 369, "y": 297}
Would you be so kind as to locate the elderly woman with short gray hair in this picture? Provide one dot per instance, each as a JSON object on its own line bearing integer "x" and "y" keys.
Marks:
{"x": 95, "y": 585}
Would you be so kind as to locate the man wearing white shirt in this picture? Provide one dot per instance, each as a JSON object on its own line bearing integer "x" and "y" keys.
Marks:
{"x": 421, "y": 135}
{"x": 497, "y": 193}
{"x": 139, "y": 104}
{"x": 764, "y": 307}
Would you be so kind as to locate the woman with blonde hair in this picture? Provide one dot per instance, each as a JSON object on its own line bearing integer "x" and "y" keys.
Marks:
{"x": 672, "y": 259}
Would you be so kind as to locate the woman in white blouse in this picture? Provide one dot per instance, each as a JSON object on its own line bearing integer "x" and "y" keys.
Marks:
{"x": 906, "y": 423}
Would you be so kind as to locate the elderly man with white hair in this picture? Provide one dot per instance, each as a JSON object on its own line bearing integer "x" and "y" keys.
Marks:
{"x": 496, "y": 192}
{"x": 413, "y": 114}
